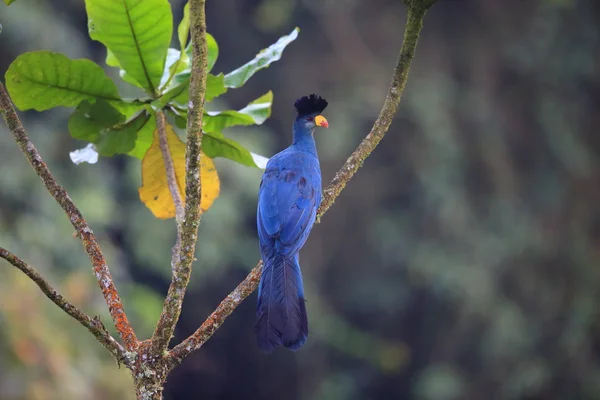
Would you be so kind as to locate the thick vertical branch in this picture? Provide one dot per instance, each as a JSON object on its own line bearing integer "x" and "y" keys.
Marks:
{"x": 103, "y": 276}
{"x": 94, "y": 325}
{"x": 414, "y": 24}
{"x": 182, "y": 260}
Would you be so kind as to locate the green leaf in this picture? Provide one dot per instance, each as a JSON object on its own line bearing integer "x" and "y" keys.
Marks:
{"x": 183, "y": 30}
{"x": 178, "y": 117}
{"x": 42, "y": 80}
{"x": 180, "y": 94}
{"x": 9, "y": 2}
{"x": 213, "y": 51}
{"x": 88, "y": 120}
{"x": 112, "y": 61}
{"x": 121, "y": 139}
{"x": 214, "y": 88}
{"x": 105, "y": 126}
{"x": 130, "y": 107}
{"x": 178, "y": 67}
{"x": 144, "y": 138}
{"x": 254, "y": 113}
{"x": 237, "y": 78}
{"x": 138, "y": 34}
{"x": 216, "y": 145}
{"x": 175, "y": 65}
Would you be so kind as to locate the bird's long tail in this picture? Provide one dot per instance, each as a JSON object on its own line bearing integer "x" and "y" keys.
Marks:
{"x": 281, "y": 313}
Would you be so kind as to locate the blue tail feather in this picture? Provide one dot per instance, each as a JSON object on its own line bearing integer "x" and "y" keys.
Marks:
{"x": 281, "y": 318}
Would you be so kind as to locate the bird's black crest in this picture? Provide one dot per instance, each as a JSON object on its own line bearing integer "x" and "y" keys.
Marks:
{"x": 310, "y": 104}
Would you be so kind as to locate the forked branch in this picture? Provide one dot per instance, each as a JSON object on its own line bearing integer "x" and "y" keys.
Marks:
{"x": 101, "y": 271}
{"x": 414, "y": 24}
{"x": 188, "y": 234}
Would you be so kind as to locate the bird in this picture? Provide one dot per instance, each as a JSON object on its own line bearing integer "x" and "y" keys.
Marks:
{"x": 288, "y": 199}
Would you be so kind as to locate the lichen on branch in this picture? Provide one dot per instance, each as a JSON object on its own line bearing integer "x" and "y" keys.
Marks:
{"x": 183, "y": 256}
{"x": 90, "y": 244}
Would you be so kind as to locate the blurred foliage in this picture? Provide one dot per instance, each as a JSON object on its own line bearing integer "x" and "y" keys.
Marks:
{"x": 460, "y": 263}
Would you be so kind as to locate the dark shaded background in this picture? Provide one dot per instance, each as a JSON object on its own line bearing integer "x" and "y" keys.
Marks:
{"x": 462, "y": 262}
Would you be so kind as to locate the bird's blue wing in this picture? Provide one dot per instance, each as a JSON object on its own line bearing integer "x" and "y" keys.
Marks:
{"x": 289, "y": 195}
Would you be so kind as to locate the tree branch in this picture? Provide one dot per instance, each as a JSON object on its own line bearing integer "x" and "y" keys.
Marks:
{"x": 94, "y": 325}
{"x": 170, "y": 168}
{"x": 414, "y": 24}
{"x": 188, "y": 236}
{"x": 103, "y": 276}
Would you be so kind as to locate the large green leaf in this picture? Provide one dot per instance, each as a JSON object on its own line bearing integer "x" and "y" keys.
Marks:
{"x": 237, "y": 78}
{"x": 217, "y": 145}
{"x": 254, "y": 113}
{"x": 137, "y": 32}
{"x": 105, "y": 126}
{"x": 42, "y": 80}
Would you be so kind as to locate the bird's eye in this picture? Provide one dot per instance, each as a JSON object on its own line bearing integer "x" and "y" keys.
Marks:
{"x": 309, "y": 118}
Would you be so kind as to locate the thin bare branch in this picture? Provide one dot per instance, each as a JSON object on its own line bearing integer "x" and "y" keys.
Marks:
{"x": 161, "y": 126}
{"x": 101, "y": 271}
{"x": 414, "y": 24}
{"x": 169, "y": 167}
{"x": 188, "y": 235}
{"x": 94, "y": 325}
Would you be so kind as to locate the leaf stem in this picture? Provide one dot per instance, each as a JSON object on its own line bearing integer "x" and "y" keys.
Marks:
{"x": 414, "y": 24}
{"x": 101, "y": 271}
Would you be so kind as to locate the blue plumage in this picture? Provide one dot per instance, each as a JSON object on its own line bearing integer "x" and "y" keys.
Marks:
{"x": 289, "y": 195}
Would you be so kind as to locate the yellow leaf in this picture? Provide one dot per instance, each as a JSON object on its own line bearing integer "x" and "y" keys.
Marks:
{"x": 155, "y": 193}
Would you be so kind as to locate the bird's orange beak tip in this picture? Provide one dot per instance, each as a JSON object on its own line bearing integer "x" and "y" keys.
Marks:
{"x": 321, "y": 121}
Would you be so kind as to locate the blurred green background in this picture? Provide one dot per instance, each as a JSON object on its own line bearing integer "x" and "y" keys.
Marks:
{"x": 462, "y": 262}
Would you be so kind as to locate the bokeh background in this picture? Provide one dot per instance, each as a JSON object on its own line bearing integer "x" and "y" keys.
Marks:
{"x": 462, "y": 262}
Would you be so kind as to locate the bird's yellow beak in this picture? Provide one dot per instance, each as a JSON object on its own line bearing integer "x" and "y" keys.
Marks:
{"x": 321, "y": 121}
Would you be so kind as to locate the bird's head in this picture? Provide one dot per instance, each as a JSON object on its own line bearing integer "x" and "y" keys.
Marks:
{"x": 309, "y": 112}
